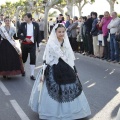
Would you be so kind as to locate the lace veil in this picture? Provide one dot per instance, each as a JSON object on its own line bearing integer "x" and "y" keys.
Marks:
{"x": 53, "y": 43}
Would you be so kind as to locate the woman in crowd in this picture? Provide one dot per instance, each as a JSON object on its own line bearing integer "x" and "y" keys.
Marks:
{"x": 69, "y": 33}
{"x": 100, "y": 38}
{"x": 59, "y": 96}
{"x": 84, "y": 36}
{"x": 10, "y": 56}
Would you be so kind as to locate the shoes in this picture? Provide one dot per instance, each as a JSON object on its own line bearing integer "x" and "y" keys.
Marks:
{"x": 23, "y": 74}
{"x": 83, "y": 53}
{"x": 109, "y": 60}
{"x": 6, "y": 77}
{"x": 115, "y": 61}
{"x": 32, "y": 77}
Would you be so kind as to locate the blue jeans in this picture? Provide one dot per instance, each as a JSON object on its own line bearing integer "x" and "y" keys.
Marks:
{"x": 114, "y": 47}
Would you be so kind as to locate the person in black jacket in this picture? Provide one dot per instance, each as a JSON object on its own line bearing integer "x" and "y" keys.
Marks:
{"x": 94, "y": 33}
{"x": 88, "y": 25}
{"x": 29, "y": 34}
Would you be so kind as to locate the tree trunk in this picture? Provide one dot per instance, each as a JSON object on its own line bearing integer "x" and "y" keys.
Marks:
{"x": 111, "y": 3}
{"x": 80, "y": 12}
{"x": 79, "y": 9}
{"x": 70, "y": 9}
{"x": 46, "y": 23}
{"x": 111, "y": 8}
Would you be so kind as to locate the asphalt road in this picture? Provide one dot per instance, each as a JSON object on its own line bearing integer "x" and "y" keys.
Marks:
{"x": 100, "y": 80}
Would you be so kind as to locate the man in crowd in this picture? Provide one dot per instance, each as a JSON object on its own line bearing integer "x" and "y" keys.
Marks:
{"x": 88, "y": 25}
{"x": 114, "y": 45}
{"x": 104, "y": 23}
{"x": 29, "y": 34}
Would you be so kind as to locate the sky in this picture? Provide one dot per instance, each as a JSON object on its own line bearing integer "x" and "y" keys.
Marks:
{"x": 99, "y": 6}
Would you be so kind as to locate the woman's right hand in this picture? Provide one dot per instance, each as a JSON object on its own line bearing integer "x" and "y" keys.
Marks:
{"x": 42, "y": 79}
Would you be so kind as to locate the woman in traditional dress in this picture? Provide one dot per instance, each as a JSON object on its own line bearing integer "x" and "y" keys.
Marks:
{"x": 57, "y": 93}
{"x": 10, "y": 58}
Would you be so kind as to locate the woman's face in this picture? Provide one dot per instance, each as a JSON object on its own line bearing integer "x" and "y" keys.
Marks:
{"x": 7, "y": 21}
{"x": 60, "y": 32}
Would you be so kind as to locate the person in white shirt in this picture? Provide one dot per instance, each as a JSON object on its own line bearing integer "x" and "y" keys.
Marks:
{"x": 114, "y": 45}
{"x": 28, "y": 33}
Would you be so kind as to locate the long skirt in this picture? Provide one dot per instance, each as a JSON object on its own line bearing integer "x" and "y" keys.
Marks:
{"x": 10, "y": 60}
{"x": 45, "y": 101}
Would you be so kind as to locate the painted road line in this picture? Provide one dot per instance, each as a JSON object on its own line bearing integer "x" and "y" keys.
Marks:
{"x": 4, "y": 89}
{"x": 19, "y": 110}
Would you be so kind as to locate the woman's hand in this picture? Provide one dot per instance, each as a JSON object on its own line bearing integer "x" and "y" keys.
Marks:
{"x": 42, "y": 78}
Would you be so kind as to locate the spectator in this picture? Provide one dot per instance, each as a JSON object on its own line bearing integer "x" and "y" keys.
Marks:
{"x": 84, "y": 37}
{"x": 114, "y": 45}
{"x": 73, "y": 28}
{"x": 67, "y": 21}
{"x": 104, "y": 23}
{"x": 51, "y": 24}
{"x": 59, "y": 19}
{"x": 2, "y": 19}
{"x": 70, "y": 33}
{"x": 63, "y": 20}
{"x": 41, "y": 28}
{"x": 100, "y": 38}
{"x": 94, "y": 33}
{"x": 88, "y": 24}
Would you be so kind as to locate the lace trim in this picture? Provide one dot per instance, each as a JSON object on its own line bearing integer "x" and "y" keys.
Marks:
{"x": 62, "y": 93}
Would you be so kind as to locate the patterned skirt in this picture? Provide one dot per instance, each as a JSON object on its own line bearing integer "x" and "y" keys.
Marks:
{"x": 58, "y": 102}
{"x": 10, "y": 61}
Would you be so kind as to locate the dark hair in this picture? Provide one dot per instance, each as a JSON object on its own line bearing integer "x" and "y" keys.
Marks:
{"x": 29, "y": 15}
{"x": 101, "y": 16}
{"x": 91, "y": 14}
{"x": 68, "y": 16}
{"x": 6, "y": 18}
{"x": 84, "y": 18}
{"x": 75, "y": 17}
{"x": 63, "y": 19}
{"x": 94, "y": 13}
{"x": 60, "y": 26}
{"x": 60, "y": 14}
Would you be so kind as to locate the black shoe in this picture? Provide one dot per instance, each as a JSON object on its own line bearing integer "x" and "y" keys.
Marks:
{"x": 32, "y": 77}
{"x": 4, "y": 77}
{"x": 23, "y": 74}
{"x": 8, "y": 77}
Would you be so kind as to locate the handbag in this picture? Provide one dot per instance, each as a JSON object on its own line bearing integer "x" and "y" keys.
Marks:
{"x": 78, "y": 38}
{"x": 62, "y": 73}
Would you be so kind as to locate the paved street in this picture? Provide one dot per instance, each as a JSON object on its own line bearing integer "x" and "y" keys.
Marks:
{"x": 100, "y": 80}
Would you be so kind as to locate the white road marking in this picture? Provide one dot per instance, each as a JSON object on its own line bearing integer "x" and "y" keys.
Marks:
{"x": 4, "y": 89}
{"x": 19, "y": 110}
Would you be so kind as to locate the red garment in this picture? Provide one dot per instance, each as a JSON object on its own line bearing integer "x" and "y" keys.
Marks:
{"x": 98, "y": 27}
{"x": 25, "y": 42}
